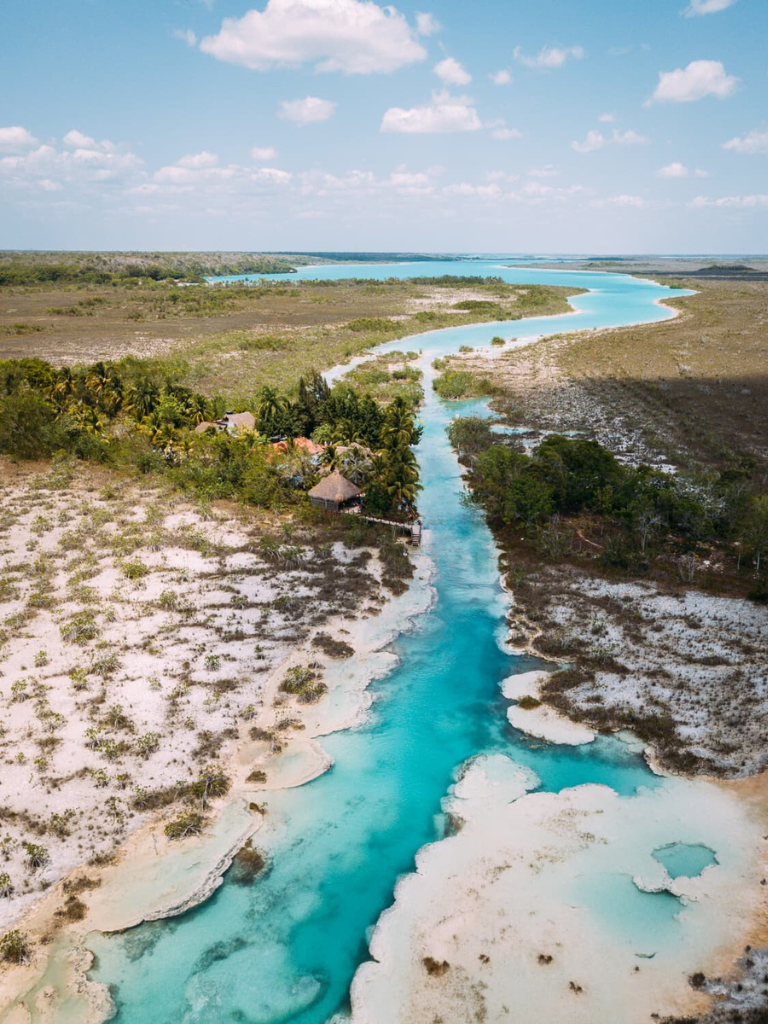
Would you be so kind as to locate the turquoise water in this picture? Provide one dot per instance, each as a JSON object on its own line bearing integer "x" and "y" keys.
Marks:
{"x": 286, "y": 947}
{"x": 685, "y": 860}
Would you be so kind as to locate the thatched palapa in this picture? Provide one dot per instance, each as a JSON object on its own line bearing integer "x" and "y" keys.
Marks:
{"x": 333, "y": 492}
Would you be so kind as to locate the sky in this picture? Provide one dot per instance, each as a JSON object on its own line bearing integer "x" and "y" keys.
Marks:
{"x": 541, "y": 126}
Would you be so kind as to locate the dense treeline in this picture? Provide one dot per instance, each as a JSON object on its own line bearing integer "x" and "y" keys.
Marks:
{"x": 20, "y": 272}
{"x": 133, "y": 413}
{"x": 642, "y": 511}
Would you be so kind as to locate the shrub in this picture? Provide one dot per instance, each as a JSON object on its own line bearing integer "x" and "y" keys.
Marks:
{"x": 135, "y": 569}
{"x": 15, "y": 948}
{"x": 6, "y": 885}
{"x": 80, "y": 628}
{"x": 147, "y": 744}
{"x": 187, "y": 823}
{"x": 457, "y": 384}
{"x": 528, "y": 703}
{"x": 37, "y": 856}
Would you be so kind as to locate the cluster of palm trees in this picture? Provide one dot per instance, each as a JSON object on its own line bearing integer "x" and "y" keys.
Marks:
{"x": 92, "y": 398}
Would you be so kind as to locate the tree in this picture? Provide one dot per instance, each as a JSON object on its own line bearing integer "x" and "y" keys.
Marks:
{"x": 143, "y": 396}
{"x": 645, "y": 519}
{"x": 211, "y": 782}
{"x": 756, "y": 528}
{"x": 270, "y": 409}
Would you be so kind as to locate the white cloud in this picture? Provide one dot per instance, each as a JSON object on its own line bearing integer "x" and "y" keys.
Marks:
{"x": 673, "y": 170}
{"x": 452, "y": 72}
{"x": 706, "y": 7}
{"x": 549, "y": 171}
{"x": 196, "y": 161}
{"x": 310, "y": 110}
{"x": 353, "y": 36}
{"x": 262, "y": 153}
{"x": 504, "y": 134}
{"x": 502, "y": 77}
{"x": 636, "y": 202}
{"x": 272, "y": 175}
{"x": 594, "y": 140}
{"x": 444, "y": 114}
{"x": 77, "y": 140}
{"x": 753, "y": 142}
{"x": 699, "y": 79}
{"x": 83, "y": 163}
{"x": 549, "y": 56}
{"x": 629, "y": 138}
{"x": 16, "y": 137}
{"x": 732, "y": 202}
{"x": 427, "y": 24}
{"x": 186, "y": 35}
{"x": 606, "y": 118}
{"x": 465, "y": 189}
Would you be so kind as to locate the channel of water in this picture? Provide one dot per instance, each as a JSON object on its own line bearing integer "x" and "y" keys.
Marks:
{"x": 286, "y": 947}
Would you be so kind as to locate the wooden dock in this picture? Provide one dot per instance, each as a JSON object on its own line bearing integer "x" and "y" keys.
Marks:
{"x": 414, "y": 528}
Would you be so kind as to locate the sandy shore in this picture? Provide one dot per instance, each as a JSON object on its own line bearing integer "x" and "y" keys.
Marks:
{"x": 154, "y": 877}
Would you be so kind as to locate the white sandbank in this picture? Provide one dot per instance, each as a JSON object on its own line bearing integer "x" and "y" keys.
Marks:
{"x": 540, "y": 876}
{"x": 542, "y": 722}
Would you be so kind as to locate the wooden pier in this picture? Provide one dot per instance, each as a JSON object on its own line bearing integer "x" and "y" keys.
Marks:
{"x": 414, "y": 528}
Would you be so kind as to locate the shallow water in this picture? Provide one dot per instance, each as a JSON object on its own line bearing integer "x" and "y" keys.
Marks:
{"x": 286, "y": 947}
{"x": 685, "y": 860}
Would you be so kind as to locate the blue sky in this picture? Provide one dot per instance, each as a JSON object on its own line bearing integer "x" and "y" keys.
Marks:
{"x": 544, "y": 126}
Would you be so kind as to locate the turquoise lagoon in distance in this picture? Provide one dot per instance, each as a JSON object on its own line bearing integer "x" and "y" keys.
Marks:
{"x": 286, "y": 947}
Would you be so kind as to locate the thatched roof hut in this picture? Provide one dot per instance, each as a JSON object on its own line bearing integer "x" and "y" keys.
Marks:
{"x": 333, "y": 491}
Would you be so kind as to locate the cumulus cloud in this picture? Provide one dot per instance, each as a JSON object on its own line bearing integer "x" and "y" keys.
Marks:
{"x": 606, "y": 118}
{"x": 594, "y": 140}
{"x": 195, "y": 161}
{"x": 16, "y": 137}
{"x": 696, "y": 7}
{"x": 503, "y": 134}
{"x": 636, "y": 202}
{"x": 673, "y": 170}
{"x": 444, "y": 114}
{"x": 678, "y": 170}
{"x": 753, "y": 142}
{"x": 186, "y": 35}
{"x": 699, "y": 79}
{"x": 81, "y": 162}
{"x": 452, "y": 72}
{"x": 427, "y": 24}
{"x": 549, "y": 171}
{"x": 629, "y": 138}
{"x": 549, "y": 56}
{"x": 310, "y": 110}
{"x": 272, "y": 175}
{"x": 352, "y": 36}
{"x": 262, "y": 153}
{"x": 502, "y": 77}
{"x": 732, "y": 202}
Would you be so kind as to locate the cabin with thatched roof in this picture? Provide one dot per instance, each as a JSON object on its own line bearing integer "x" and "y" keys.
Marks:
{"x": 333, "y": 492}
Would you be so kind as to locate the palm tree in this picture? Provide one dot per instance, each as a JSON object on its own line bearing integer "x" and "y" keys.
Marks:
{"x": 270, "y": 408}
{"x": 143, "y": 396}
{"x": 330, "y": 457}
{"x": 356, "y": 465}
